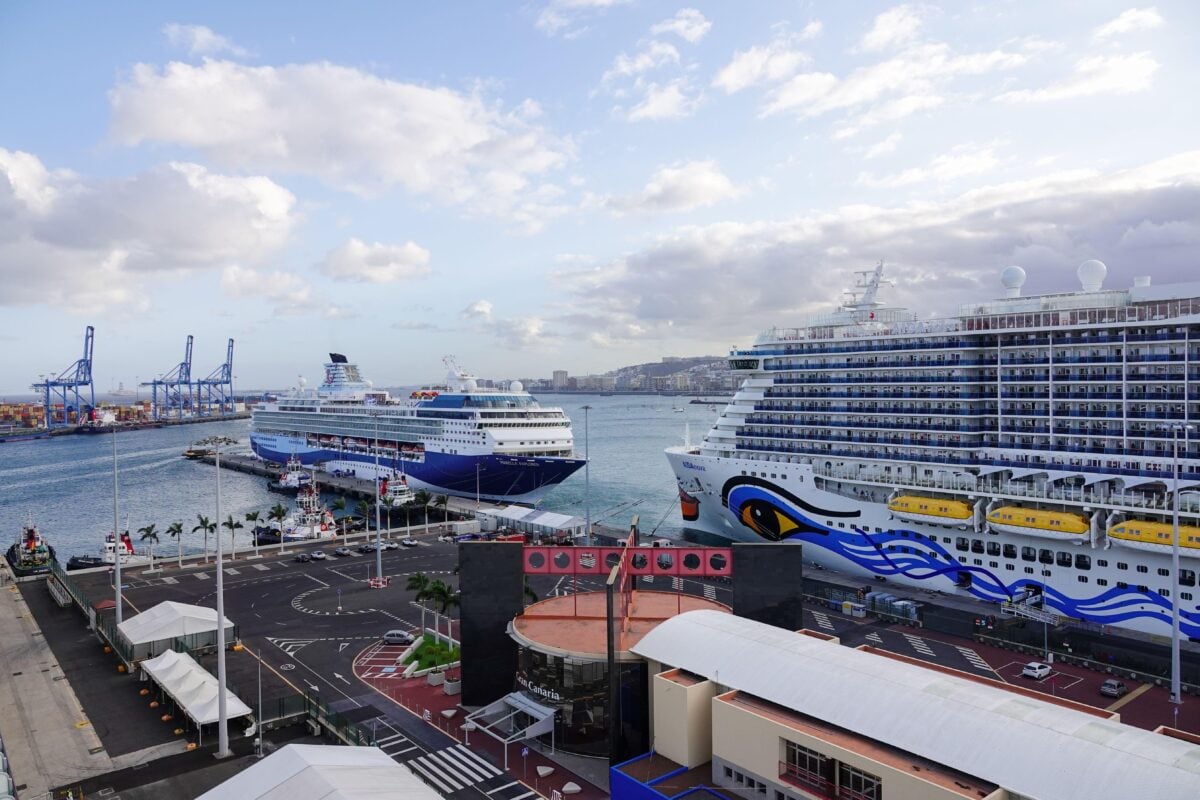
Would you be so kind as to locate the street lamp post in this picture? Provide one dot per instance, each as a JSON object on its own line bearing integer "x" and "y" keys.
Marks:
{"x": 378, "y": 528}
{"x": 587, "y": 476}
{"x": 222, "y": 711}
{"x": 1176, "y": 429}
{"x": 117, "y": 543}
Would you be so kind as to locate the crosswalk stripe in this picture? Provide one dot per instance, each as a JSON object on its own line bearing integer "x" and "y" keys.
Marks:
{"x": 484, "y": 764}
{"x": 523, "y": 796}
{"x": 429, "y": 776}
{"x": 395, "y": 753}
{"x": 427, "y": 762}
{"x": 202, "y": 576}
{"x": 455, "y": 762}
{"x": 501, "y": 788}
{"x": 382, "y": 742}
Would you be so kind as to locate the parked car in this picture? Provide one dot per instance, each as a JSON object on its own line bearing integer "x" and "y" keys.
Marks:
{"x": 366, "y": 548}
{"x": 341, "y": 551}
{"x": 1036, "y": 670}
{"x": 408, "y": 541}
{"x": 303, "y": 558}
{"x": 1114, "y": 688}
{"x": 317, "y": 555}
{"x": 398, "y": 637}
{"x": 445, "y": 537}
{"x": 391, "y": 545}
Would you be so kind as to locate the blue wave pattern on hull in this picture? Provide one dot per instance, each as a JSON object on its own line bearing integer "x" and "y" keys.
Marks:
{"x": 499, "y": 476}
{"x": 869, "y": 551}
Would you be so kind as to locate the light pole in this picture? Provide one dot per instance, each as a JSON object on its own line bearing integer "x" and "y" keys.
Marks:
{"x": 476, "y": 488}
{"x": 587, "y": 476}
{"x": 117, "y": 543}
{"x": 222, "y": 712}
{"x": 378, "y": 528}
{"x": 1176, "y": 429}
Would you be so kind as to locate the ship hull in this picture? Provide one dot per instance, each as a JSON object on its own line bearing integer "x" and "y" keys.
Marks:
{"x": 496, "y": 478}
{"x": 24, "y": 569}
{"x": 744, "y": 500}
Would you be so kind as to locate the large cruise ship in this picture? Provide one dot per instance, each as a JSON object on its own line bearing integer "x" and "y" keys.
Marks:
{"x": 460, "y": 438}
{"x": 1023, "y": 449}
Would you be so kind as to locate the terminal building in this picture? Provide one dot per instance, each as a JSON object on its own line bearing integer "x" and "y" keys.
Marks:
{"x": 742, "y": 709}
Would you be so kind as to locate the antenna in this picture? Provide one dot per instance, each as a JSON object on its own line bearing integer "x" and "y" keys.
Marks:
{"x": 869, "y": 281}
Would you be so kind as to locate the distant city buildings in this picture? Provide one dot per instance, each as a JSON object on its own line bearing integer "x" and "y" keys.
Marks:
{"x": 678, "y": 374}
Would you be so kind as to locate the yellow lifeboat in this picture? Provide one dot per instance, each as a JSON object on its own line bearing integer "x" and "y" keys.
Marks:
{"x": 1038, "y": 522}
{"x": 930, "y": 510}
{"x": 1141, "y": 534}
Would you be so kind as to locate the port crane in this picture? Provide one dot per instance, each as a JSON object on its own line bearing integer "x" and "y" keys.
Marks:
{"x": 56, "y": 391}
{"x": 178, "y": 391}
{"x": 214, "y": 394}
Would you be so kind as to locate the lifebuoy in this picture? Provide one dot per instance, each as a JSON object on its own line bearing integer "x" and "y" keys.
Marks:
{"x": 324, "y": 527}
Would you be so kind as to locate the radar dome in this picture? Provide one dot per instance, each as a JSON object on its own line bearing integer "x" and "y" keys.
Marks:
{"x": 302, "y": 382}
{"x": 1091, "y": 275}
{"x": 469, "y": 385}
{"x": 516, "y": 386}
{"x": 1012, "y": 279}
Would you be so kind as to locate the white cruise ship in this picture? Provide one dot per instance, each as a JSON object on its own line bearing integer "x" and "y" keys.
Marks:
{"x": 1023, "y": 449}
{"x": 458, "y": 439}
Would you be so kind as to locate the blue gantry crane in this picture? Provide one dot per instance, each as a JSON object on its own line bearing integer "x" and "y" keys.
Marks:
{"x": 174, "y": 392}
{"x": 62, "y": 394}
{"x": 214, "y": 394}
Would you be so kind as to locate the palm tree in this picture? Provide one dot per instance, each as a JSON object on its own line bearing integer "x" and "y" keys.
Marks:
{"x": 206, "y": 526}
{"x": 175, "y": 529}
{"x": 339, "y": 504}
{"x": 150, "y": 532}
{"x": 444, "y": 597}
{"x": 419, "y": 582}
{"x": 233, "y": 525}
{"x": 278, "y": 513}
{"x": 441, "y": 501}
{"x": 252, "y": 517}
{"x": 364, "y": 510}
{"x": 422, "y": 498}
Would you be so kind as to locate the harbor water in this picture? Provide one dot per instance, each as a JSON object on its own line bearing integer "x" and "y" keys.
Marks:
{"x": 65, "y": 484}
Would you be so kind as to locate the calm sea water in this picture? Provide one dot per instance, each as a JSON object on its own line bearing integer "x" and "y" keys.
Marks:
{"x": 65, "y": 483}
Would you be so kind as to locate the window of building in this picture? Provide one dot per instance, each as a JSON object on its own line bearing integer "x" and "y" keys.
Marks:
{"x": 1046, "y": 556}
{"x": 1164, "y": 572}
{"x": 1122, "y": 565}
{"x": 961, "y": 543}
{"x": 1122, "y": 585}
{"x": 1185, "y": 595}
{"x": 1028, "y": 554}
{"x": 1142, "y": 568}
{"x": 1029, "y": 570}
{"x": 1082, "y": 561}
{"x": 1063, "y": 559}
{"x": 863, "y": 784}
{"x": 808, "y": 767}
{"x": 1101, "y": 562}
{"x": 1101, "y": 582}
{"x": 1187, "y": 577}
{"x": 1009, "y": 567}
{"x": 993, "y": 548}
{"x": 1082, "y": 578}
{"x": 1010, "y": 551}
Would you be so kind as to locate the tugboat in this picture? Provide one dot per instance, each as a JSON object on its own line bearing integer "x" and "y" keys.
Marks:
{"x": 311, "y": 520}
{"x": 292, "y": 479}
{"x": 394, "y": 491}
{"x": 197, "y": 451}
{"x": 30, "y": 555}
{"x": 108, "y": 556}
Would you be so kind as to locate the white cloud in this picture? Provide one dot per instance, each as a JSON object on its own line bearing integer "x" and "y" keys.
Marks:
{"x": 558, "y": 16}
{"x": 670, "y": 101}
{"x": 742, "y": 277}
{"x": 812, "y": 30}
{"x": 85, "y": 245}
{"x": 760, "y": 64}
{"x": 290, "y": 294}
{"x": 356, "y": 260}
{"x": 884, "y": 146}
{"x": 1134, "y": 19}
{"x": 353, "y": 130}
{"x": 896, "y": 26}
{"x": 654, "y": 56}
{"x": 200, "y": 40}
{"x": 688, "y": 24}
{"x": 679, "y": 188}
{"x": 960, "y": 162}
{"x": 522, "y": 333}
{"x": 1094, "y": 75}
{"x": 480, "y": 309}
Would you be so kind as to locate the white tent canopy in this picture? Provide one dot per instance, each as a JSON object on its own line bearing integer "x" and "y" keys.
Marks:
{"x": 169, "y": 620}
{"x": 192, "y": 687}
{"x": 324, "y": 772}
{"x": 532, "y": 520}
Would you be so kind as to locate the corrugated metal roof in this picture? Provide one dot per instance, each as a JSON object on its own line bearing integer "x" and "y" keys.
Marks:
{"x": 1037, "y": 749}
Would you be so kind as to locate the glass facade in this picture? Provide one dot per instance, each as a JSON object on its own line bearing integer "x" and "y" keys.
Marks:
{"x": 579, "y": 690}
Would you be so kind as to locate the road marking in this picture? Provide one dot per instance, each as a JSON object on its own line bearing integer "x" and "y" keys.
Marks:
{"x": 823, "y": 621}
{"x": 428, "y": 765}
{"x": 919, "y": 645}
{"x": 382, "y": 742}
{"x": 318, "y": 580}
{"x": 523, "y": 796}
{"x": 261, "y": 567}
{"x": 169, "y": 580}
{"x": 488, "y": 767}
{"x": 710, "y": 592}
{"x": 343, "y": 646}
{"x": 874, "y": 637}
{"x": 1138, "y": 692}
{"x": 402, "y": 752}
{"x": 975, "y": 659}
{"x": 232, "y": 571}
{"x": 455, "y": 760}
{"x": 202, "y": 576}
{"x": 290, "y": 646}
{"x": 502, "y": 788}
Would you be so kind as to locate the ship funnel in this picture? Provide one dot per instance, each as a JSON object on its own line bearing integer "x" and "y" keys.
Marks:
{"x": 1012, "y": 278}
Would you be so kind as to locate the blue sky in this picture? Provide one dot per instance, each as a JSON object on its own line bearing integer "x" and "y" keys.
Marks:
{"x": 576, "y": 184}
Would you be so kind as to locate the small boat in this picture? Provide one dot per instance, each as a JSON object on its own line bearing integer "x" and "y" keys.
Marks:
{"x": 394, "y": 491}
{"x": 1156, "y": 537}
{"x": 678, "y": 409}
{"x": 292, "y": 479}
{"x": 311, "y": 520}
{"x": 197, "y": 451}
{"x": 30, "y": 555}
{"x": 1038, "y": 522}
{"x": 931, "y": 510}
{"x": 108, "y": 556}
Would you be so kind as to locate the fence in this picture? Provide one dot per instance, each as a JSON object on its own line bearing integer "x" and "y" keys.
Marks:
{"x": 67, "y": 583}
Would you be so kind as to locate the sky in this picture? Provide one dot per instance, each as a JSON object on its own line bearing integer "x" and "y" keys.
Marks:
{"x": 564, "y": 184}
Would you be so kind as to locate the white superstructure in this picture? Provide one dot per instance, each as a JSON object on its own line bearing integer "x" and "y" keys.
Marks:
{"x": 1026, "y": 444}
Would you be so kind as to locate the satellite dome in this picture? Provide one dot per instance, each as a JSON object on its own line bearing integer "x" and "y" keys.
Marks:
{"x": 1012, "y": 279}
{"x": 469, "y": 385}
{"x": 1091, "y": 275}
{"x": 516, "y": 386}
{"x": 302, "y": 381}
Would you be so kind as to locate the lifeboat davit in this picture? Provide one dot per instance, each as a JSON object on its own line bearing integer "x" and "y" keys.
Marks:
{"x": 931, "y": 510}
{"x": 1140, "y": 534}
{"x": 1058, "y": 525}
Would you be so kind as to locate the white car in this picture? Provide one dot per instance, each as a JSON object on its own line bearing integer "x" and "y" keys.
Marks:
{"x": 408, "y": 542}
{"x": 317, "y": 555}
{"x": 1036, "y": 670}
